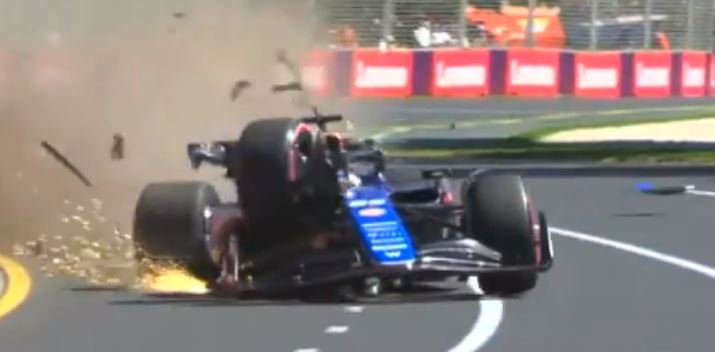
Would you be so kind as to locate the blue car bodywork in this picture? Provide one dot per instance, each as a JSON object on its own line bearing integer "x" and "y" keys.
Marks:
{"x": 381, "y": 229}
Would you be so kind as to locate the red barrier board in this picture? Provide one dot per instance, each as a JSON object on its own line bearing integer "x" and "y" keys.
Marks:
{"x": 597, "y": 74}
{"x": 460, "y": 73}
{"x": 532, "y": 72}
{"x": 693, "y": 74}
{"x": 382, "y": 73}
{"x": 317, "y": 70}
{"x": 651, "y": 74}
{"x": 711, "y": 74}
{"x": 55, "y": 70}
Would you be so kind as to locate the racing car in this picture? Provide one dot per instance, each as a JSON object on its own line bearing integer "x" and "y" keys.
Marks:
{"x": 315, "y": 208}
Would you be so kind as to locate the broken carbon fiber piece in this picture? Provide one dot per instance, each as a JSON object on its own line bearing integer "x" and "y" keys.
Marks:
{"x": 66, "y": 163}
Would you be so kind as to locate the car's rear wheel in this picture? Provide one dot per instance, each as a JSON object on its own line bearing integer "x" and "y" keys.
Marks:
{"x": 497, "y": 213}
{"x": 170, "y": 226}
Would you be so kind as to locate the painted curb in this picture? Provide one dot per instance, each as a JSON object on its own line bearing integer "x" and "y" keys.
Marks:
{"x": 16, "y": 287}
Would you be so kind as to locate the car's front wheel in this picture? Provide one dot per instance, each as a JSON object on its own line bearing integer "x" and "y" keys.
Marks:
{"x": 497, "y": 214}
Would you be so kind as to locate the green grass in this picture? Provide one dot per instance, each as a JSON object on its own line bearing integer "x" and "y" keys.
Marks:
{"x": 573, "y": 153}
{"x": 526, "y": 146}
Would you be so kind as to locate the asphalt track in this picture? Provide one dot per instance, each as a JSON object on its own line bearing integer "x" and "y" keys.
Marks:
{"x": 596, "y": 298}
{"x": 492, "y": 118}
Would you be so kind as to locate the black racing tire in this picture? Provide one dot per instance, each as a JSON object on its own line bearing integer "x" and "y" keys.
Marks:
{"x": 265, "y": 191}
{"x": 279, "y": 190}
{"x": 169, "y": 226}
{"x": 497, "y": 215}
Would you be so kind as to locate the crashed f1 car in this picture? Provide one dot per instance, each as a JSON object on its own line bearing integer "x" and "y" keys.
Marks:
{"x": 316, "y": 209}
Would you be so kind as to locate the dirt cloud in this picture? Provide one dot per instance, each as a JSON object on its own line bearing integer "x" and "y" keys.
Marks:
{"x": 157, "y": 72}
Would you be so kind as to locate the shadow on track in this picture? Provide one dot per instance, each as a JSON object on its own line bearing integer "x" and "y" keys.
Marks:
{"x": 639, "y": 215}
{"x": 229, "y": 302}
{"x": 414, "y": 296}
{"x": 99, "y": 289}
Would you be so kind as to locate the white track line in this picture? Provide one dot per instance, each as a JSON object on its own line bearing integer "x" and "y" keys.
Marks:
{"x": 354, "y": 309}
{"x": 492, "y": 311}
{"x": 337, "y": 329}
{"x": 700, "y": 193}
{"x": 486, "y": 325}
{"x": 637, "y": 250}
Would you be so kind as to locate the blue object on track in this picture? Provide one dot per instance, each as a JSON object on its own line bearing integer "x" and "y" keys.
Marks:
{"x": 645, "y": 186}
{"x": 650, "y": 188}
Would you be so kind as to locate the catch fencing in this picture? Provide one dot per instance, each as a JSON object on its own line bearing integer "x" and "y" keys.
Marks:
{"x": 564, "y": 24}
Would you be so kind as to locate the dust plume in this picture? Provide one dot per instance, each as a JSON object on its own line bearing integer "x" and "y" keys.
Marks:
{"x": 157, "y": 72}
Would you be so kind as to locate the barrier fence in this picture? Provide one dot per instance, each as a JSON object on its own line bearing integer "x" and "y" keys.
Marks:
{"x": 572, "y": 24}
{"x": 519, "y": 72}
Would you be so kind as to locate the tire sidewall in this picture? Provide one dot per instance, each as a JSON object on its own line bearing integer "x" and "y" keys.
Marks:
{"x": 497, "y": 214}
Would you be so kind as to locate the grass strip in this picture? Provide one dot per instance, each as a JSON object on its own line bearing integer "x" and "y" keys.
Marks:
{"x": 526, "y": 146}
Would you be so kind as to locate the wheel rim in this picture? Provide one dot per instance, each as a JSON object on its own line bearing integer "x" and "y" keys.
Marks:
{"x": 295, "y": 156}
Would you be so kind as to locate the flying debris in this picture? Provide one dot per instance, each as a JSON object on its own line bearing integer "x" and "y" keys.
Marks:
{"x": 117, "y": 152}
{"x": 282, "y": 58}
{"x": 66, "y": 163}
{"x": 292, "y": 86}
{"x": 296, "y": 85}
{"x": 238, "y": 88}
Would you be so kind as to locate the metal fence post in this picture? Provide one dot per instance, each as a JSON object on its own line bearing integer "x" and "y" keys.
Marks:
{"x": 647, "y": 24}
{"x": 593, "y": 42}
{"x": 690, "y": 21}
{"x": 314, "y": 22}
{"x": 530, "y": 24}
{"x": 711, "y": 37}
{"x": 462, "y": 21}
{"x": 387, "y": 14}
